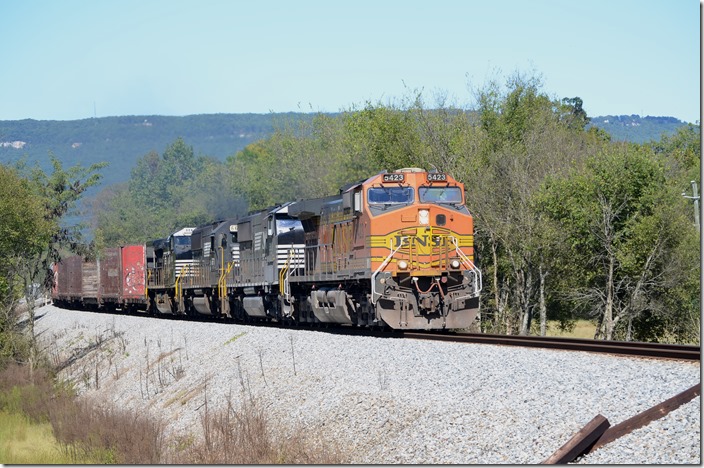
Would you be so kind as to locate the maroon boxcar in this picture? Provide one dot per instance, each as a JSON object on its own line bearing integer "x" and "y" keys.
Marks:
{"x": 90, "y": 284}
{"x": 110, "y": 278}
{"x": 68, "y": 280}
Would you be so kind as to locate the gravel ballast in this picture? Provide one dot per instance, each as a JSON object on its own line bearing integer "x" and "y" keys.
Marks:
{"x": 379, "y": 400}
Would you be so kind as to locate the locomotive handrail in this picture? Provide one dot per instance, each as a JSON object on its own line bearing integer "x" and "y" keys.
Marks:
{"x": 283, "y": 277}
{"x": 146, "y": 284}
{"x": 465, "y": 259}
{"x": 177, "y": 286}
{"x": 222, "y": 280}
{"x": 222, "y": 272}
{"x": 381, "y": 267}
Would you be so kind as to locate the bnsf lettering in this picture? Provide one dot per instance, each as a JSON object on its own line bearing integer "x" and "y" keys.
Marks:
{"x": 436, "y": 241}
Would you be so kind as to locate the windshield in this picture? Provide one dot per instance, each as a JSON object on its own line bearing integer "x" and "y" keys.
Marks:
{"x": 440, "y": 195}
{"x": 182, "y": 241}
{"x": 384, "y": 195}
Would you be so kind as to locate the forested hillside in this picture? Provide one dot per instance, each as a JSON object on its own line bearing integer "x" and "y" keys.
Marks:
{"x": 569, "y": 222}
{"x": 121, "y": 141}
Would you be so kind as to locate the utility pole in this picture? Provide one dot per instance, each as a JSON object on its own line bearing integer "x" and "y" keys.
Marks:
{"x": 696, "y": 203}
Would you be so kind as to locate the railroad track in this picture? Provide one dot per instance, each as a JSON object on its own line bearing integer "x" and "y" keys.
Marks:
{"x": 630, "y": 348}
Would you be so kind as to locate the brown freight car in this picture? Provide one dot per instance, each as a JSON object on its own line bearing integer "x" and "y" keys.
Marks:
{"x": 68, "y": 281}
{"x": 110, "y": 278}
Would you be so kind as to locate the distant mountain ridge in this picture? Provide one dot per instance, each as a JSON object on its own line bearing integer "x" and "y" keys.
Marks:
{"x": 121, "y": 141}
{"x": 635, "y": 128}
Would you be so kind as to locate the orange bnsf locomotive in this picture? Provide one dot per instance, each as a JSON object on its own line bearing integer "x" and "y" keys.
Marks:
{"x": 395, "y": 250}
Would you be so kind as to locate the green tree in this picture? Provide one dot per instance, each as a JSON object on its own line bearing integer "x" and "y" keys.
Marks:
{"x": 623, "y": 224}
{"x": 34, "y": 208}
{"x": 573, "y": 114}
{"x": 24, "y": 233}
{"x": 524, "y": 137}
{"x": 300, "y": 160}
{"x": 381, "y": 137}
{"x": 165, "y": 192}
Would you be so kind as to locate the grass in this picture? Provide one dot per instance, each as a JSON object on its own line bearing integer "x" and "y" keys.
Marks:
{"x": 242, "y": 433}
{"x": 25, "y": 442}
{"x": 581, "y": 329}
{"x": 234, "y": 338}
{"x": 48, "y": 425}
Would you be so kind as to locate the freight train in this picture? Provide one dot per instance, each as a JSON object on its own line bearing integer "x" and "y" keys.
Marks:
{"x": 394, "y": 251}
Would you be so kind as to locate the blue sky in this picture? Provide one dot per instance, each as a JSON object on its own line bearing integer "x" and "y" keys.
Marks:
{"x": 75, "y": 59}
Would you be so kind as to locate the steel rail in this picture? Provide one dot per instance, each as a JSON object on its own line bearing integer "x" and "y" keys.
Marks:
{"x": 630, "y": 348}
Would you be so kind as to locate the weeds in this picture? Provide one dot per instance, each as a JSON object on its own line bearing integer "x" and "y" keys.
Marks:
{"x": 234, "y": 338}
{"x": 261, "y": 364}
{"x": 383, "y": 380}
{"x": 78, "y": 431}
{"x": 84, "y": 433}
{"x": 241, "y": 433}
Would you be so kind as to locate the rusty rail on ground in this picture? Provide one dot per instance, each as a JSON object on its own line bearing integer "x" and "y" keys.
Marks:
{"x": 598, "y": 432}
{"x": 630, "y": 348}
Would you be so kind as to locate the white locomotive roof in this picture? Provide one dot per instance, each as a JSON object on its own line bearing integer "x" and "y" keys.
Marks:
{"x": 410, "y": 169}
{"x": 187, "y": 231}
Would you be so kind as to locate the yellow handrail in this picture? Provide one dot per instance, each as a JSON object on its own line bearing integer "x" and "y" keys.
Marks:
{"x": 146, "y": 285}
{"x": 284, "y": 274}
{"x": 222, "y": 281}
{"x": 177, "y": 287}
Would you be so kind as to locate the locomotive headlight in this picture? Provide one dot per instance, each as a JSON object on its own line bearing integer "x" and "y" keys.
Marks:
{"x": 423, "y": 217}
{"x": 402, "y": 265}
{"x": 455, "y": 264}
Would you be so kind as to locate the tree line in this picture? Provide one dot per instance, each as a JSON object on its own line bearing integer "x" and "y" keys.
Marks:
{"x": 569, "y": 224}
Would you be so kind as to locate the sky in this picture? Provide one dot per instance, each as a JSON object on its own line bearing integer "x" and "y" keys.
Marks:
{"x": 76, "y": 59}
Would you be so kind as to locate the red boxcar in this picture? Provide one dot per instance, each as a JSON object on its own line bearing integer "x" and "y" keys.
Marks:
{"x": 133, "y": 275}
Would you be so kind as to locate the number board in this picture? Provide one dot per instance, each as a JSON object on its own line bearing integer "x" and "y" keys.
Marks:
{"x": 437, "y": 177}
{"x": 393, "y": 178}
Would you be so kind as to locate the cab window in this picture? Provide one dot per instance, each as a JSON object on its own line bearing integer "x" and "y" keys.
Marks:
{"x": 389, "y": 195}
{"x": 451, "y": 195}
{"x": 289, "y": 231}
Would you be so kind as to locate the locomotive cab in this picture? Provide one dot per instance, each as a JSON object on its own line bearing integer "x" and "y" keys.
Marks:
{"x": 425, "y": 245}
{"x": 169, "y": 263}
